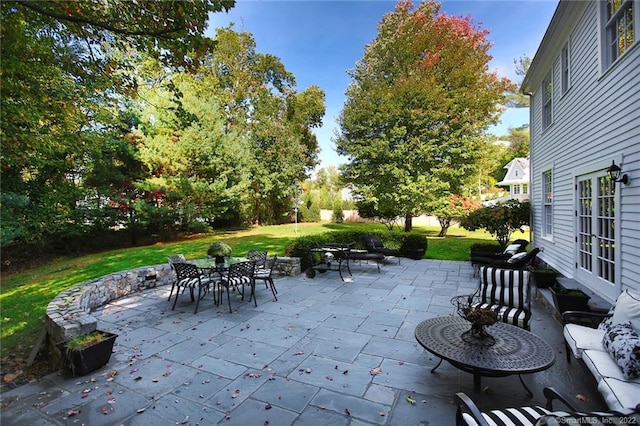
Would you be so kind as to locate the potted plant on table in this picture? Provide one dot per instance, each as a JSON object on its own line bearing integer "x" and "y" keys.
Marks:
{"x": 414, "y": 246}
{"x": 569, "y": 299}
{"x": 84, "y": 354}
{"x": 219, "y": 250}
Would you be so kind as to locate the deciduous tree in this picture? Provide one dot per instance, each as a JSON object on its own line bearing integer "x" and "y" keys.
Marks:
{"x": 418, "y": 99}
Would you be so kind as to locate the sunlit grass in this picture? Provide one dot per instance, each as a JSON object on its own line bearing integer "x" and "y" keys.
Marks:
{"x": 25, "y": 295}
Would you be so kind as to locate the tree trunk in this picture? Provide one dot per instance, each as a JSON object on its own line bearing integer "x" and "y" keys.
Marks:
{"x": 444, "y": 226}
{"x": 408, "y": 223}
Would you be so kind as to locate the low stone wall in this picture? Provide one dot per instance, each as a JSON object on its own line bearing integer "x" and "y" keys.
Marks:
{"x": 69, "y": 314}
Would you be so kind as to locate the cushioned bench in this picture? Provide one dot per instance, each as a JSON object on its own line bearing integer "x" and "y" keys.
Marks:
{"x": 611, "y": 352}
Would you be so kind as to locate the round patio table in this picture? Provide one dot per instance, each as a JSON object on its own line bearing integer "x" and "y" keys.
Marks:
{"x": 512, "y": 350}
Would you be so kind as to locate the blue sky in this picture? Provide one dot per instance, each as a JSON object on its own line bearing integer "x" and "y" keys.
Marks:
{"x": 318, "y": 41}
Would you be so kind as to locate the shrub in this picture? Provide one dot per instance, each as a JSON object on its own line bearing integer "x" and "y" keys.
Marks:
{"x": 300, "y": 247}
{"x": 338, "y": 215}
{"x": 499, "y": 220}
{"x": 412, "y": 243}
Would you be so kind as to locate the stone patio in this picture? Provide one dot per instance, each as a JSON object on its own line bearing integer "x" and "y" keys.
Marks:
{"x": 326, "y": 353}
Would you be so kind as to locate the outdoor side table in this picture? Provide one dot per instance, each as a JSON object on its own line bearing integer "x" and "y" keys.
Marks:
{"x": 514, "y": 350}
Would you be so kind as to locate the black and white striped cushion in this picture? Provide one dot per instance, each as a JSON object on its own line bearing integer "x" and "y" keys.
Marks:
{"x": 525, "y": 416}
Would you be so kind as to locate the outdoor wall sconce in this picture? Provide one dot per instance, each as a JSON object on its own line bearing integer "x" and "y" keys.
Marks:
{"x": 614, "y": 173}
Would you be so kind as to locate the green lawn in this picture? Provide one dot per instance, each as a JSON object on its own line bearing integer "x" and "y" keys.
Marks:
{"x": 25, "y": 295}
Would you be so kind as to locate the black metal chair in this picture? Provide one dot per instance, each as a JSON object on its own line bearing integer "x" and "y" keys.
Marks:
{"x": 264, "y": 273}
{"x": 259, "y": 257}
{"x": 175, "y": 258}
{"x": 191, "y": 277}
{"x": 468, "y": 414}
{"x": 374, "y": 244}
{"x": 237, "y": 276}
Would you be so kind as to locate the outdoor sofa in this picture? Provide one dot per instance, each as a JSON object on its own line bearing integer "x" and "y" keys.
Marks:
{"x": 611, "y": 352}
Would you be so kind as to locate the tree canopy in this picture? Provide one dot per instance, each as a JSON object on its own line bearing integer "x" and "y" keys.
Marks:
{"x": 123, "y": 114}
{"x": 418, "y": 102}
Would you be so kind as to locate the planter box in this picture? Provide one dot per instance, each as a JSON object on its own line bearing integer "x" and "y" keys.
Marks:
{"x": 569, "y": 301}
{"x": 544, "y": 279}
{"x": 415, "y": 254}
{"x": 86, "y": 360}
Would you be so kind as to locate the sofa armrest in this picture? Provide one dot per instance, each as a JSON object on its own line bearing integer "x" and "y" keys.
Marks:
{"x": 588, "y": 319}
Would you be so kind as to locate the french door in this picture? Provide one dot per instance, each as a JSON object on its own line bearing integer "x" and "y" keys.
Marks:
{"x": 596, "y": 236}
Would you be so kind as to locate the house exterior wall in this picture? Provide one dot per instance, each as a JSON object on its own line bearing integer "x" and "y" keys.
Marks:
{"x": 596, "y": 121}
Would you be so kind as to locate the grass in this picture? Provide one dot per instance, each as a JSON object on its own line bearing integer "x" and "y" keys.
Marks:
{"x": 25, "y": 295}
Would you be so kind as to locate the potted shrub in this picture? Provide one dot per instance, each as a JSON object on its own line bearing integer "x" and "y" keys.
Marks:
{"x": 414, "y": 246}
{"x": 569, "y": 299}
{"x": 219, "y": 250}
{"x": 544, "y": 277}
{"x": 84, "y": 354}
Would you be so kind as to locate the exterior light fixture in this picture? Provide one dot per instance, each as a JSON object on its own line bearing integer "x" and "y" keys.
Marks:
{"x": 615, "y": 174}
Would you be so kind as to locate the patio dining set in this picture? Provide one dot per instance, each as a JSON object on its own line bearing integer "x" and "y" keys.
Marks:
{"x": 211, "y": 276}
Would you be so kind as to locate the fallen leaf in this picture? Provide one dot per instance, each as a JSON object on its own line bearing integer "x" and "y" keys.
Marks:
{"x": 376, "y": 371}
{"x": 73, "y": 412}
{"x": 410, "y": 400}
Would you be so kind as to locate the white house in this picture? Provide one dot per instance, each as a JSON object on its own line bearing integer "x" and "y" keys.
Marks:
{"x": 584, "y": 87}
{"x": 517, "y": 179}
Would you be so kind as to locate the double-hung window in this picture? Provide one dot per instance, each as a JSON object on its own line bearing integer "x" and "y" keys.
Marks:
{"x": 547, "y": 204}
{"x": 620, "y": 28}
{"x": 547, "y": 104}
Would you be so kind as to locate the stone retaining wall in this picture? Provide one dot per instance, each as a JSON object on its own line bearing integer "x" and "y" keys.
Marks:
{"x": 69, "y": 314}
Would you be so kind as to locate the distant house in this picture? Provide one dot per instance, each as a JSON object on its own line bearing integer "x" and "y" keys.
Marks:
{"x": 517, "y": 179}
{"x": 584, "y": 87}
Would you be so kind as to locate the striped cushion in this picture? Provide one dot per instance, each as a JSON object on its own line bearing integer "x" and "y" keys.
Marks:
{"x": 263, "y": 273}
{"x": 510, "y": 416}
{"x": 192, "y": 282}
{"x": 506, "y": 290}
{"x": 514, "y": 316}
{"x": 235, "y": 281}
{"x": 593, "y": 418}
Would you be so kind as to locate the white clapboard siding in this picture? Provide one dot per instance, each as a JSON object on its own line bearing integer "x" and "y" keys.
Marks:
{"x": 597, "y": 119}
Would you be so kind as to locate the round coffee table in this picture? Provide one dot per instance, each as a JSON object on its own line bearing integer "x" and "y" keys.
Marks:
{"x": 515, "y": 351}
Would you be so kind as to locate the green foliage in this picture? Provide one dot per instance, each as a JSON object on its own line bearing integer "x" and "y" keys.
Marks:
{"x": 500, "y": 220}
{"x": 81, "y": 342}
{"x": 413, "y": 241}
{"x": 338, "y": 214}
{"x": 418, "y": 101}
{"x": 219, "y": 248}
{"x": 309, "y": 211}
{"x": 143, "y": 124}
